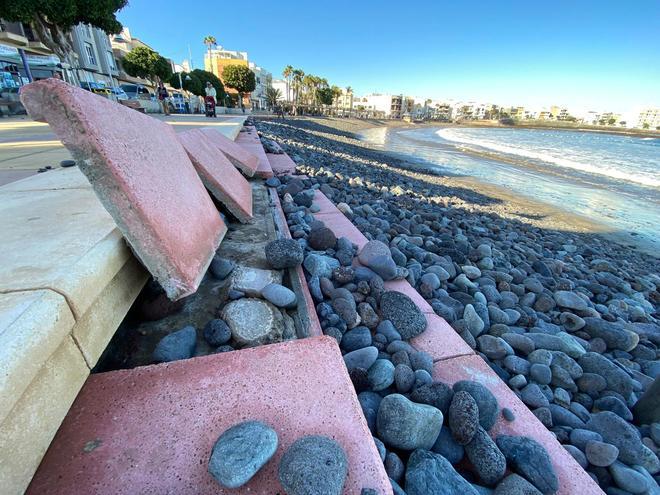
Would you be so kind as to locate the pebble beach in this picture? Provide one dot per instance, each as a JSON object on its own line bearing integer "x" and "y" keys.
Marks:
{"x": 565, "y": 315}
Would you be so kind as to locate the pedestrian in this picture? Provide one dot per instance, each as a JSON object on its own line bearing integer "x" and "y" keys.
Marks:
{"x": 164, "y": 98}
{"x": 211, "y": 96}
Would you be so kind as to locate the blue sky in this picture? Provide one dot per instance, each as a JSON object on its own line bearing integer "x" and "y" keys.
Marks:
{"x": 601, "y": 55}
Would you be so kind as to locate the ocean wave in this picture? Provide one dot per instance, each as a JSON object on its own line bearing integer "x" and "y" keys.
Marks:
{"x": 636, "y": 177}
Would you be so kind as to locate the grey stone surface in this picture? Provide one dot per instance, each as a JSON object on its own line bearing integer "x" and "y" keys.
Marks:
{"x": 177, "y": 345}
{"x": 515, "y": 485}
{"x": 486, "y": 457}
{"x": 600, "y": 453}
{"x": 406, "y": 425}
{"x": 280, "y": 296}
{"x": 313, "y": 465}
{"x": 362, "y": 358}
{"x": 463, "y": 417}
{"x": 240, "y": 452}
{"x": 381, "y": 374}
{"x": 251, "y": 281}
{"x": 486, "y": 401}
{"x": 217, "y": 332}
{"x": 255, "y": 322}
{"x": 404, "y": 314}
{"x": 529, "y": 459}
{"x": 430, "y": 473}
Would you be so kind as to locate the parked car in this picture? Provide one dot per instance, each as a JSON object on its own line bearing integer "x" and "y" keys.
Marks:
{"x": 96, "y": 88}
{"x": 119, "y": 93}
{"x": 179, "y": 103}
{"x": 137, "y": 91}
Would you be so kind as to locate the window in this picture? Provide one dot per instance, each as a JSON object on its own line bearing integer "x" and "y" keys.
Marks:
{"x": 111, "y": 61}
{"x": 89, "y": 30}
{"x": 90, "y": 53}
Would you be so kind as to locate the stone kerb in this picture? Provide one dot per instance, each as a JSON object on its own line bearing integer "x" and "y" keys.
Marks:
{"x": 245, "y": 161}
{"x": 218, "y": 174}
{"x": 143, "y": 177}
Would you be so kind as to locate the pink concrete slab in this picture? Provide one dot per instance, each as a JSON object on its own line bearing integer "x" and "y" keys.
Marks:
{"x": 218, "y": 174}
{"x": 280, "y": 220}
{"x": 342, "y": 227}
{"x": 251, "y": 142}
{"x": 142, "y": 176}
{"x": 246, "y": 161}
{"x": 572, "y": 478}
{"x": 326, "y": 206}
{"x": 150, "y": 430}
{"x": 440, "y": 340}
{"x": 281, "y": 164}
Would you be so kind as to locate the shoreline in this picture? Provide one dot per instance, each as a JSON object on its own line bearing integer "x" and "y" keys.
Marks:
{"x": 504, "y": 202}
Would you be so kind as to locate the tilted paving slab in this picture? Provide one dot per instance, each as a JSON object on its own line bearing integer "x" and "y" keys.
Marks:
{"x": 151, "y": 429}
{"x": 218, "y": 174}
{"x": 281, "y": 163}
{"x": 243, "y": 159}
{"x": 249, "y": 139}
{"x": 143, "y": 177}
{"x": 572, "y": 478}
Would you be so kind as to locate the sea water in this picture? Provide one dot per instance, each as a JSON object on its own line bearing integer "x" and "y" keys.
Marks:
{"x": 611, "y": 179}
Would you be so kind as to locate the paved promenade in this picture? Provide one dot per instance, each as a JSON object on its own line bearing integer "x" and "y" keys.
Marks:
{"x": 26, "y": 145}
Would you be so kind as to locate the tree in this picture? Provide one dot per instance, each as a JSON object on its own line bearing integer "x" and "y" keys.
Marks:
{"x": 190, "y": 82}
{"x": 240, "y": 78}
{"x": 53, "y": 20}
{"x": 273, "y": 96}
{"x": 146, "y": 63}
{"x": 326, "y": 95}
{"x": 205, "y": 76}
{"x": 297, "y": 77}
{"x": 210, "y": 43}
{"x": 611, "y": 121}
{"x": 287, "y": 73}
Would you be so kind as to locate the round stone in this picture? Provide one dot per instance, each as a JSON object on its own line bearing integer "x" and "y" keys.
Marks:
{"x": 313, "y": 465}
{"x": 394, "y": 466}
{"x": 404, "y": 314}
{"x": 486, "y": 401}
{"x": 240, "y": 452}
{"x": 321, "y": 239}
{"x": 438, "y": 395}
{"x": 486, "y": 458}
{"x": 540, "y": 373}
{"x": 600, "y": 453}
{"x": 377, "y": 256}
{"x": 531, "y": 460}
{"x": 217, "y": 332}
{"x": 221, "y": 267}
{"x": 177, "y": 345}
{"x": 254, "y": 322}
{"x": 279, "y": 295}
{"x": 570, "y": 300}
{"x": 404, "y": 378}
{"x": 284, "y": 253}
{"x": 430, "y": 473}
{"x": 381, "y": 375}
{"x": 405, "y": 425}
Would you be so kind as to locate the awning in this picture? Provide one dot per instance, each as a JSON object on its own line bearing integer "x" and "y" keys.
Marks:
{"x": 10, "y": 54}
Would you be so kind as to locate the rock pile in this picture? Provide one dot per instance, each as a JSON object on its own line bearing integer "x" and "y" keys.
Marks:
{"x": 571, "y": 327}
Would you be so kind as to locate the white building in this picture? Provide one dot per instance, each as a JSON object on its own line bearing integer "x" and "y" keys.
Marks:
{"x": 378, "y": 105}
{"x": 281, "y": 85}
{"x": 649, "y": 119}
{"x": 264, "y": 80}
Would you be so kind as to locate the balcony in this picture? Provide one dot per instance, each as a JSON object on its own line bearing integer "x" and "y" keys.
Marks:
{"x": 11, "y": 33}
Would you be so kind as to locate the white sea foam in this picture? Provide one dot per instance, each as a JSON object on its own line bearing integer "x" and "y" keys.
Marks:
{"x": 613, "y": 172}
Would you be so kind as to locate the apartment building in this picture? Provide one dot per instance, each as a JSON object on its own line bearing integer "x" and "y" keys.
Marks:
{"x": 121, "y": 44}
{"x": 263, "y": 80}
{"x": 95, "y": 58}
{"x": 649, "y": 118}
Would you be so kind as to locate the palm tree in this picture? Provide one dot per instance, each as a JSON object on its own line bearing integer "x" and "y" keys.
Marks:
{"x": 273, "y": 95}
{"x": 210, "y": 43}
{"x": 297, "y": 76}
{"x": 287, "y": 73}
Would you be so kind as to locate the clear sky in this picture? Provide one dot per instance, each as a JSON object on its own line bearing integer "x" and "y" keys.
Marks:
{"x": 600, "y": 55}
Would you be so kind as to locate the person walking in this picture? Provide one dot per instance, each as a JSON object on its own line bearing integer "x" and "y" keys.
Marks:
{"x": 164, "y": 98}
{"x": 211, "y": 96}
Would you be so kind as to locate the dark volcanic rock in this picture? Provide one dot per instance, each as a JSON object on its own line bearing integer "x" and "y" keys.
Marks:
{"x": 486, "y": 458}
{"x": 404, "y": 314}
{"x": 437, "y": 394}
{"x": 486, "y": 401}
{"x": 406, "y": 425}
{"x": 284, "y": 253}
{"x": 463, "y": 417}
{"x": 217, "y": 332}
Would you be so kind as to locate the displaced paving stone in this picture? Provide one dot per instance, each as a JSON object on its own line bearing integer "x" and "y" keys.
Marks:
{"x": 177, "y": 345}
{"x": 254, "y": 322}
{"x": 240, "y": 452}
{"x": 405, "y": 425}
{"x": 143, "y": 177}
{"x": 284, "y": 253}
{"x": 218, "y": 174}
{"x": 431, "y": 473}
{"x": 531, "y": 460}
{"x": 404, "y": 314}
{"x": 245, "y": 161}
{"x": 313, "y": 465}
{"x": 252, "y": 281}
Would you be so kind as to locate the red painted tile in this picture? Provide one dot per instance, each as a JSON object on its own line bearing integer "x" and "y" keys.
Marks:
{"x": 281, "y": 164}
{"x": 151, "y": 429}
{"x": 246, "y": 161}
{"x": 143, "y": 177}
{"x": 440, "y": 340}
{"x": 251, "y": 142}
{"x": 572, "y": 478}
{"x": 342, "y": 227}
{"x": 325, "y": 204}
{"x": 218, "y": 174}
